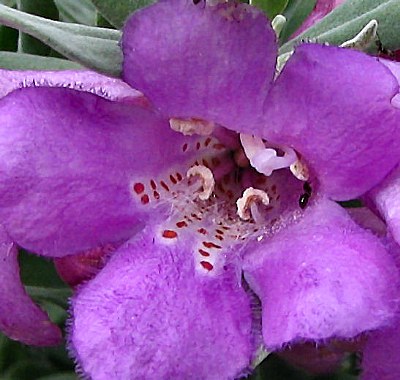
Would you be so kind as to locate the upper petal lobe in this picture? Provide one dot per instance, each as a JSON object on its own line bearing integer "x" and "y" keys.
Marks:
{"x": 199, "y": 61}
{"x": 334, "y": 107}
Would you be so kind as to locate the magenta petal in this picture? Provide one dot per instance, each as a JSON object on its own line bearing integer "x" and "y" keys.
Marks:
{"x": 68, "y": 164}
{"x": 149, "y": 315}
{"x": 382, "y": 350}
{"x": 381, "y": 355}
{"x": 333, "y": 105}
{"x": 82, "y": 80}
{"x": 20, "y": 318}
{"x": 367, "y": 219}
{"x": 323, "y": 277}
{"x": 386, "y": 197}
{"x": 195, "y": 61}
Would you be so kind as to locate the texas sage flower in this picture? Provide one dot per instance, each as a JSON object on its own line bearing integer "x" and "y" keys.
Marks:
{"x": 216, "y": 188}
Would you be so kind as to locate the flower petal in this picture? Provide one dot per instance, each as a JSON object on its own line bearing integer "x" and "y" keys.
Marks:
{"x": 382, "y": 349}
{"x": 148, "y": 314}
{"x": 367, "y": 219}
{"x": 80, "y": 80}
{"x": 334, "y": 107}
{"x": 195, "y": 61}
{"x": 81, "y": 267}
{"x": 386, "y": 197}
{"x": 323, "y": 277}
{"x": 381, "y": 354}
{"x": 20, "y": 318}
{"x": 69, "y": 161}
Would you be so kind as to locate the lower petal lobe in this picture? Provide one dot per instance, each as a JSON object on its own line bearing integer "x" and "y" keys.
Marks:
{"x": 381, "y": 354}
{"x": 150, "y": 314}
{"x": 322, "y": 277}
{"x": 20, "y": 318}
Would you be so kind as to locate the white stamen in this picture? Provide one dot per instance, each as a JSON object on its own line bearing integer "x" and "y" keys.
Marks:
{"x": 364, "y": 38}
{"x": 207, "y": 180}
{"x": 277, "y": 24}
{"x": 300, "y": 170}
{"x": 190, "y": 127}
{"x": 265, "y": 160}
{"x": 247, "y": 204}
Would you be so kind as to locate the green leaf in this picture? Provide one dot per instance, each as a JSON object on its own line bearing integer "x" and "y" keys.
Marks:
{"x": 116, "y": 12}
{"x": 43, "y": 8}
{"x": 296, "y": 12}
{"x": 345, "y": 21}
{"x": 271, "y": 7}
{"x": 80, "y": 12}
{"x": 22, "y": 61}
{"x": 56, "y": 296}
{"x": 60, "y": 376}
{"x": 9, "y": 3}
{"x": 38, "y": 271}
{"x": 8, "y": 39}
{"x": 95, "y": 48}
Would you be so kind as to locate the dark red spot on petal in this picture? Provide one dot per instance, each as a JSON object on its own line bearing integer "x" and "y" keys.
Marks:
{"x": 173, "y": 179}
{"x": 198, "y": 146}
{"x": 138, "y": 188}
{"x": 145, "y": 199}
{"x": 207, "y": 142}
{"x": 202, "y": 231}
{"x": 169, "y": 234}
{"x": 153, "y": 185}
{"x": 181, "y": 224}
{"x": 206, "y": 265}
{"x": 195, "y": 216}
{"x": 219, "y": 237}
{"x": 179, "y": 176}
{"x": 204, "y": 253}
{"x": 219, "y": 146}
{"x": 156, "y": 195}
{"x": 184, "y": 147}
{"x": 164, "y": 185}
{"x": 210, "y": 244}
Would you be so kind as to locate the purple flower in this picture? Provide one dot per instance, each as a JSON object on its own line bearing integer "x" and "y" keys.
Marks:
{"x": 83, "y": 171}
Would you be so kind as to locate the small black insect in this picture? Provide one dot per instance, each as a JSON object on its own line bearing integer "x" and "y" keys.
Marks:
{"x": 304, "y": 198}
